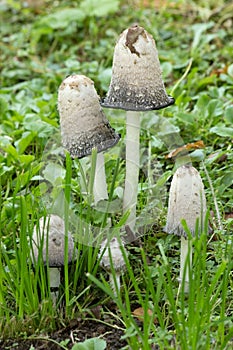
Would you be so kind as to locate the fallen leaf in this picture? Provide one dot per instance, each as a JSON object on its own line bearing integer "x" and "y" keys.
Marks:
{"x": 219, "y": 71}
{"x": 189, "y": 147}
{"x": 139, "y": 314}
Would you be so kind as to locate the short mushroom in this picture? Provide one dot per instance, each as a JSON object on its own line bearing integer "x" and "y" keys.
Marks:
{"x": 112, "y": 258}
{"x": 84, "y": 126}
{"x": 136, "y": 85}
{"x": 186, "y": 202}
{"x": 48, "y": 242}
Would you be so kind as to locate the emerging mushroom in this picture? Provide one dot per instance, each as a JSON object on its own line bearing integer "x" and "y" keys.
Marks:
{"x": 84, "y": 126}
{"x": 186, "y": 202}
{"x": 48, "y": 242}
{"x": 111, "y": 256}
{"x": 136, "y": 85}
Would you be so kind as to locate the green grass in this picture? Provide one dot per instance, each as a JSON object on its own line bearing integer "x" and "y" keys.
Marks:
{"x": 194, "y": 321}
{"x": 39, "y": 48}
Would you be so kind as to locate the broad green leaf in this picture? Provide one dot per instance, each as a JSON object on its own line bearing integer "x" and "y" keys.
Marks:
{"x": 33, "y": 123}
{"x": 215, "y": 108}
{"x": 185, "y": 117}
{"x": 202, "y": 102}
{"x": 229, "y": 114}
{"x": 99, "y": 7}
{"x": 222, "y": 130}
{"x": 24, "y": 141}
{"x": 227, "y": 179}
{"x": 155, "y": 142}
{"x": 91, "y": 344}
{"x": 26, "y": 159}
{"x": 199, "y": 29}
{"x": 12, "y": 151}
{"x": 197, "y": 155}
{"x": 53, "y": 171}
{"x": 105, "y": 78}
{"x": 5, "y": 140}
{"x": 169, "y": 134}
{"x": 166, "y": 68}
{"x": 3, "y": 106}
{"x": 62, "y": 18}
{"x": 206, "y": 81}
{"x": 5, "y": 169}
{"x": 167, "y": 128}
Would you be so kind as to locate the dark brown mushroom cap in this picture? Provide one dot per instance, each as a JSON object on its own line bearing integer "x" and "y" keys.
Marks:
{"x": 186, "y": 201}
{"x": 49, "y": 240}
{"x": 83, "y": 123}
{"x": 136, "y": 82}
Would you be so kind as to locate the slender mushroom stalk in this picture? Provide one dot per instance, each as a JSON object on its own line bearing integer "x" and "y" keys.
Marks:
{"x": 186, "y": 202}
{"x": 112, "y": 258}
{"x": 84, "y": 126}
{"x": 132, "y": 166}
{"x": 186, "y": 251}
{"x": 136, "y": 85}
{"x": 48, "y": 242}
{"x": 100, "y": 190}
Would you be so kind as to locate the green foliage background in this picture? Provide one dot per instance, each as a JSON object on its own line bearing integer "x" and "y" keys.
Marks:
{"x": 44, "y": 41}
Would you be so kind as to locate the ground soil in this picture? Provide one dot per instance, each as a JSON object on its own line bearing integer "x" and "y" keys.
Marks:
{"x": 77, "y": 331}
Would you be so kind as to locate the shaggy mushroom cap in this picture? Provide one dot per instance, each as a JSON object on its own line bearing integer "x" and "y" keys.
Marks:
{"x": 136, "y": 82}
{"x": 116, "y": 255}
{"x": 186, "y": 201}
{"x": 51, "y": 231}
{"x": 83, "y": 123}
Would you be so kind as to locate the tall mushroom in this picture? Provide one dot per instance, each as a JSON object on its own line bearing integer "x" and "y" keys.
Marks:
{"x": 186, "y": 202}
{"x": 136, "y": 85}
{"x": 48, "y": 242}
{"x": 112, "y": 258}
{"x": 84, "y": 126}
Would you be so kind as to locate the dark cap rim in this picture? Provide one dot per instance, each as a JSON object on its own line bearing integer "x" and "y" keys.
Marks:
{"x": 135, "y": 107}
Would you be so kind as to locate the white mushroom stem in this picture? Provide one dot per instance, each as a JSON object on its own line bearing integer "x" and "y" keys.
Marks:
{"x": 132, "y": 166}
{"x": 185, "y": 262}
{"x": 100, "y": 184}
{"x": 55, "y": 280}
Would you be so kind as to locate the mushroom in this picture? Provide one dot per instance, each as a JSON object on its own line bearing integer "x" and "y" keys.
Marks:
{"x": 84, "y": 126}
{"x": 48, "y": 242}
{"x": 111, "y": 257}
{"x": 136, "y": 85}
{"x": 186, "y": 202}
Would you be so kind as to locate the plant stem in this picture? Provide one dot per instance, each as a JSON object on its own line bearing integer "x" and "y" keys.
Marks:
{"x": 183, "y": 76}
{"x": 100, "y": 185}
{"x": 185, "y": 263}
{"x": 132, "y": 166}
{"x": 220, "y": 226}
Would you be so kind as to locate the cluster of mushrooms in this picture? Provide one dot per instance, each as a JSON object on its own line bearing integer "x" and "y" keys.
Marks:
{"x": 136, "y": 85}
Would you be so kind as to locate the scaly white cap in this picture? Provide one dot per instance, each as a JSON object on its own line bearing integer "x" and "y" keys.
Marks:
{"x": 49, "y": 237}
{"x": 83, "y": 123}
{"x": 186, "y": 201}
{"x": 136, "y": 82}
{"x": 116, "y": 255}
